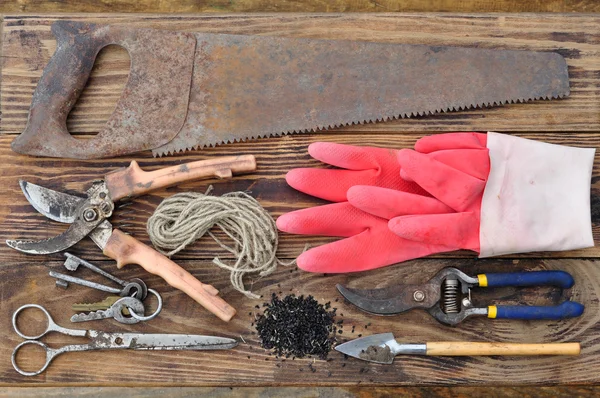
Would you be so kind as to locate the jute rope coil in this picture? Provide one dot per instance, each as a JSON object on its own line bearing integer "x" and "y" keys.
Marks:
{"x": 185, "y": 217}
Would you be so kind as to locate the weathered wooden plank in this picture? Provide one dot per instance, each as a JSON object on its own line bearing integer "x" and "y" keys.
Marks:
{"x": 191, "y": 6}
{"x": 28, "y": 44}
{"x": 303, "y": 392}
{"x": 186, "y": 369}
{"x": 275, "y": 157}
{"x": 248, "y": 364}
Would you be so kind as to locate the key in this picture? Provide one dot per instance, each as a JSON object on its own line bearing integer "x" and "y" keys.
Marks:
{"x": 131, "y": 288}
{"x": 114, "y": 311}
{"x": 73, "y": 262}
{"x": 100, "y": 305}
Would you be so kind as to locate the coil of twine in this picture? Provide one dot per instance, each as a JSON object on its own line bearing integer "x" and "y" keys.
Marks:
{"x": 185, "y": 217}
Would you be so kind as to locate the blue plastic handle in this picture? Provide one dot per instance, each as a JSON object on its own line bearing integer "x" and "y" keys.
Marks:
{"x": 568, "y": 309}
{"x": 534, "y": 278}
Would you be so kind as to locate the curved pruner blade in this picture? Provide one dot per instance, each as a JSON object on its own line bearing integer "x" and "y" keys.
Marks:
{"x": 55, "y": 205}
{"x": 77, "y": 231}
{"x": 391, "y": 300}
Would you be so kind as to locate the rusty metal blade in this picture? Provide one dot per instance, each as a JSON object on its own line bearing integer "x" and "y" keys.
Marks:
{"x": 188, "y": 91}
{"x": 150, "y": 112}
{"x": 55, "y": 205}
{"x": 246, "y": 87}
{"x": 392, "y": 300}
{"x": 71, "y": 236}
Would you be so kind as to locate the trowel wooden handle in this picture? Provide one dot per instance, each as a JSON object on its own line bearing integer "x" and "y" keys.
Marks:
{"x": 128, "y": 250}
{"x": 133, "y": 181}
{"x": 451, "y": 348}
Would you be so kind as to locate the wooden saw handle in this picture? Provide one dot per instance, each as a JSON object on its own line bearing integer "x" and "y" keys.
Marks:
{"x": 453, "y": 348}
{"x": 133, "y": 181}
{"x": 128, "y": 250}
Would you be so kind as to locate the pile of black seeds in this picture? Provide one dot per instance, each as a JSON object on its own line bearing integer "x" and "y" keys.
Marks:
{"x": 297, "y": 326}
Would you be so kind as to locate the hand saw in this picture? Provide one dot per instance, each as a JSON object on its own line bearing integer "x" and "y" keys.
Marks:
{"x": 193, "y": 90}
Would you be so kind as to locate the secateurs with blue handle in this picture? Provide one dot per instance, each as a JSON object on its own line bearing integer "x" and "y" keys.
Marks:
{"x": 447, "y": 296}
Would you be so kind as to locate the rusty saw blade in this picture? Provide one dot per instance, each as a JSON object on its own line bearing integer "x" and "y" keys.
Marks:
{"x": 188, "y": 91}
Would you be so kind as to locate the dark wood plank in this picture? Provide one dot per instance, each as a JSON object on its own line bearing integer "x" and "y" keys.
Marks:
{"x": 270, "y": 188}
{"x": 192, "y": 6}
{"x": 24, "y": 282}
{"x": 28, "y": 44}
{"x": 275, "y": 157}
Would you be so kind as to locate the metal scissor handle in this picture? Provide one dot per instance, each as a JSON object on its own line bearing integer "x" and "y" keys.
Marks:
{"x": 51, "y": 353}
{"x": 52, "y": 326}
{"x": 49, "y": 356}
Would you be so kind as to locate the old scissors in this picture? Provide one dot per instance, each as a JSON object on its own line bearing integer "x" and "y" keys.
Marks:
{"x": 100, "y": 340}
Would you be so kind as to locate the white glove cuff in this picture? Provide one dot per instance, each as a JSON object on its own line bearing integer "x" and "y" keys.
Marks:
{"x": 537, "y": 197}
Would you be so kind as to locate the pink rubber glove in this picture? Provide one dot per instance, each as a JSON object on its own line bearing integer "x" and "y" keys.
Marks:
{"x": 368, "y": 241}
{"x": 510, "y": 195}
{"x": 358, "y": 165}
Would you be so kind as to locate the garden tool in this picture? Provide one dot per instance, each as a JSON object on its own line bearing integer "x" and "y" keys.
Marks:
{"x": 367, "y": 241}
{"x": 507, "y": 194}
{"x": 382, "y": 348}
{"x": 88, "y": 217}
{"x": 193, "y": 90}
{"x": 512, "y": 194}
{"x": 447, "y": 296}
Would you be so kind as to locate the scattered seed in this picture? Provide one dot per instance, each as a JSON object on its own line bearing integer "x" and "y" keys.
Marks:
{"x": 297, "y": 326}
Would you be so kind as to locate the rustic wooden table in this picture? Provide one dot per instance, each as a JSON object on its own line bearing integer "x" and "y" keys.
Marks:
{"x": 27, "y": 45}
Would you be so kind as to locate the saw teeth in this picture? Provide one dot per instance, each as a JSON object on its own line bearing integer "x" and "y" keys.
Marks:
{"x": 400, "y": 116}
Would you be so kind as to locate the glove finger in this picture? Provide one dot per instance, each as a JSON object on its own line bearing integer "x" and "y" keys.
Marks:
{"x": 432, "y": 143}
{"x": 453, "y": 187}
{"x": 451, "y": 229}
{"x": 474, "y": 162}
{"x": 336, "y": 219}
{"x": 390, "y": 203}
{"x": 349, "y": 157}
{"x": 369, "y": 250}
{"x": 332, "y": 185}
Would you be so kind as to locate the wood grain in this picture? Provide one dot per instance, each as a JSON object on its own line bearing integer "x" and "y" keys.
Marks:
{"x": 305, "y": 392}
{"x": 276, "y": 156}
{"x": 26, "y": 49}
{"x": 462, "y": 348}
{"x": 249, "y": 365}
{"x": 28, "y": 45}
{"x": 194, "y": 6}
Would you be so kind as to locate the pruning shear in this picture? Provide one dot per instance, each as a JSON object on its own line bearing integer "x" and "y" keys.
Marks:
{"x": 447, "y": 296}
{"x": 88, "y": 216}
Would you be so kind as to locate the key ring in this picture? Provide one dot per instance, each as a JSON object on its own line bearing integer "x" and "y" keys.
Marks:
{"x": 149, "y": 317}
